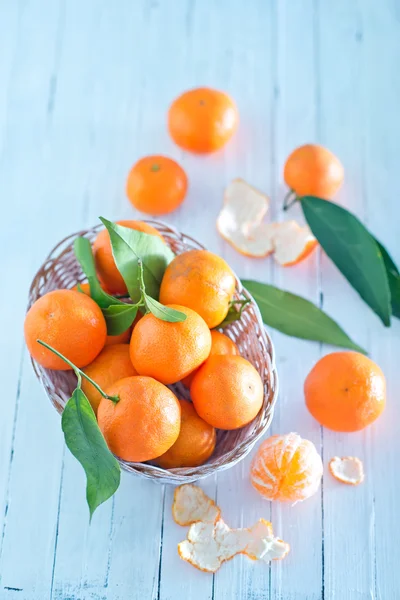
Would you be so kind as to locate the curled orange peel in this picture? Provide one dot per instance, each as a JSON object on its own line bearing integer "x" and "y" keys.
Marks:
{"x": 240, "y": 223}
{"x": 210, "y": 543}
{"x": 347, "y": 469}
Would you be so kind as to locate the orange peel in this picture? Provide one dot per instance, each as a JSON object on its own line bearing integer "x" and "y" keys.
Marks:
{"x": 347, "y": 469}
{"x": 211, "y": 542}
{"x": 240, "y": 223}
{"x": 191, "y": 505}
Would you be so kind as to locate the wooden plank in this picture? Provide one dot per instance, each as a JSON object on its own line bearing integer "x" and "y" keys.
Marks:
{"x": 381, "y": 87}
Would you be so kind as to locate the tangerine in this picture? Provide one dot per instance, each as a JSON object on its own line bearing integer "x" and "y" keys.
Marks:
{"x": 107, "y": 271}
{"x": 156, "y": 185}
{"x": 69, "y": 321}
{"x": 113, "y": 363}
{"x": 202, "y": 281}
{"x": 195, "y": 443}
{"x": 313, "y": 170}
{"x": 345, "y": 391}
{"x": 227, "y": 392}
{"x": 202, "y": 120}
{"x": 286, "y": 468}
{"x": 169, "y": 351}
{"x": 144, "y": 423}
{"x": 220, "y": 344}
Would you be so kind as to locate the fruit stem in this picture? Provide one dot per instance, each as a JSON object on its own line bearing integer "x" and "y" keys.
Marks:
{"x": 290, "y": 199}
{"x": 79, "y": 373}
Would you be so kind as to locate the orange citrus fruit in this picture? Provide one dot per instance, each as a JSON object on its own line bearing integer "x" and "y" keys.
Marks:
{"x": 313, "y": 170}
{"x": 286, "y": 468}
{"x": 107, "y": 271}
{"x": 202, "y": 281}
{"x": 156, "y": 185}
{"x": 144, "y": 423}
{"x": 70, "y": 322}
{"x": 195, "y": 443}
{"x": 227, "y": 392}
{"x": 169, "y": 351}
{"x": 202, "y": 120}
{"x": 345, "y": 391}
{"x": 113, "y": 363}
{"x": 220, "y": 344}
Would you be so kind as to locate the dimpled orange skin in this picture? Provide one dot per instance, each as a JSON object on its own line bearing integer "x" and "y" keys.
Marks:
{"x": 195, "y": 443}
{"x": 70, "y": 322}
{"x": 144, "y": 423}
{"x": 156, "y": 185}
{"x": 202, "y": 120}
{"x": 107, "y": 271}
{"x": 220, "y": 345}
{"x": 169, "y": 351}
{"x": 345, "y": 391}
{"x": 202, "y": 281}
{"x": 313, "y": 170}
{"x": 113, "y": 363}
{"x": 227, "y": 392}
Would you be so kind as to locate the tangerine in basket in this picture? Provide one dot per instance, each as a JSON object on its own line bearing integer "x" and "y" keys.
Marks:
{"x": 202, "y": 120}
{"x": 113, "y": 363}
{"x": 69, "y": 321}
{"x": 220, "y": 344}
{"x": 170, "y": 351}
{"x": 107, "y": 271}
{"x": 313, "y": 170}
{"x": 227, "y": 392}
{"x": 145, "y": 422}
{"x": 345, "y": 391}
{"x": 156, "y": 185}
{"x": 202, "y": 281}
{"x": 286, "y": 468}
{"x": 195, "y": 443}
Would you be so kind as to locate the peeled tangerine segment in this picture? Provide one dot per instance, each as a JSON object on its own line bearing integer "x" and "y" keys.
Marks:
{"x": 210, "y": 541}
{"x": 191, "y": 504}
{"x": 348, "y": 469}
{"x": 240, "y": 224}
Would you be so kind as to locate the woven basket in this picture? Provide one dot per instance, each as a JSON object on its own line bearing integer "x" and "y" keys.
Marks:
{"x": 61, "y": 270}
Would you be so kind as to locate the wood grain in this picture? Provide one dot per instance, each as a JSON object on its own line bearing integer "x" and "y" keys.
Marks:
{"x": 84, "y": 90}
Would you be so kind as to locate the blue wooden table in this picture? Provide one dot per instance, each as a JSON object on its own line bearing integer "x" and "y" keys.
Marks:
{"x": 84, "y": 90}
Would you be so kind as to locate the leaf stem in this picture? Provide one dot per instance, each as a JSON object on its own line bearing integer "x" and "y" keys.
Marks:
{"x": 290, "y": 199}
{"x": 79, "y": 373}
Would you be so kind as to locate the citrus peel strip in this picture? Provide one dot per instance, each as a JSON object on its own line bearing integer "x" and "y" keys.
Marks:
{"x": 347, "y": 469}
{"x": 210, "y": 543}
{"x": 240, "y": 223}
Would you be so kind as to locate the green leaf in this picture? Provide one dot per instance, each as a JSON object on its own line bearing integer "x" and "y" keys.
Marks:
{"x": 394, "y": 279}
{"x": 84, "y": 255}
{"x": 129, "y": 246}
{"x": 234, "y": 313}
{"x": 297, "y": 317}
{"x": 86, "y": 442}
{"x": 164, "y": 313}
{"x": 353, "y": 250}
{"x": 119, "y": 318}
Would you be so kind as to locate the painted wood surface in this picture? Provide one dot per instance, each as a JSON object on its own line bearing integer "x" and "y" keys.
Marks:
{"x": 84, "y": 89}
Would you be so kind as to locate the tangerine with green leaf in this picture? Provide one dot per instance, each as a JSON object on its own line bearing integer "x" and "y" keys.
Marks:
{"x": 107, "y": 271}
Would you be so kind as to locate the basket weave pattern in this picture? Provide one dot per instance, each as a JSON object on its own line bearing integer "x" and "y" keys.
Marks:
{"x": 61, "y": 270}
